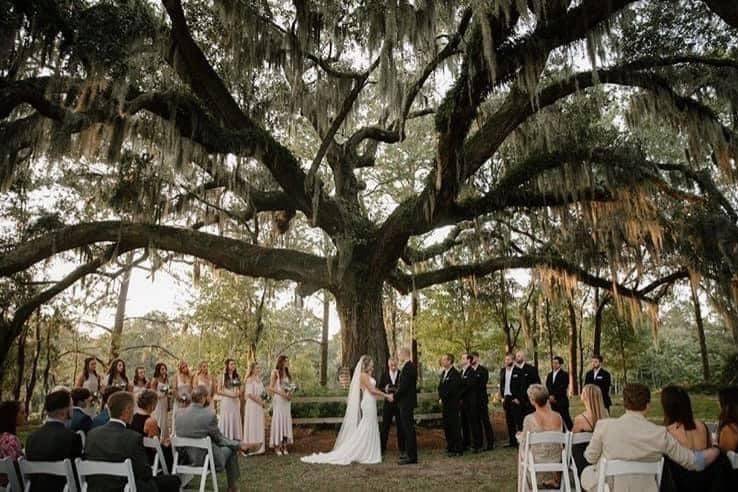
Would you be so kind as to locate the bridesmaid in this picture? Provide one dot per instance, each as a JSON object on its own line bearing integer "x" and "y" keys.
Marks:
{"x": 117, "y": 375}
{"x": 281, "y": 431}
{"x": 160, "y": 384}
{"x": 139, "y": 384}
{"x": 253, "y": 415}
{"x": 183, "y": 389}
{"x": 229, "y": 390}
{"x": 203, "y": 378}
{"x": 91, "y": 380}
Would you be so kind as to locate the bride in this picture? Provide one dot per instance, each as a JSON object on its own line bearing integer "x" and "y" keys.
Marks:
{"x": 358, "y": 439}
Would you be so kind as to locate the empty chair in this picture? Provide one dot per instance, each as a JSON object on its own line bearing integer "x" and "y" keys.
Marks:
{"x": 188, "y": 471}
{"x": 614, "y": 468}
{"x": 159, "y": 461}
{"x": 7, "y": 468}
{"x": 57, "y": 468}
{"x": 530, "y": 468}
{"x": 87, "y": 468}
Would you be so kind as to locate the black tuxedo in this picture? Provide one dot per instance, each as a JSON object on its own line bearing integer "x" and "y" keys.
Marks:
{"x": 390, "y": 410}
{"x": 52, "y": 442}
{"x": 449, "y": 391}
{"x": 114, "y": 442}
{"x": 513, "y": 410}
{"x": 472, "y": 405}
{"x": 603, "y": 380}
{"x": 489, "y": 434}
{"x": 559, "y": 390}
{"x": 531, "y": 377}
{"x": 406, "y": 398}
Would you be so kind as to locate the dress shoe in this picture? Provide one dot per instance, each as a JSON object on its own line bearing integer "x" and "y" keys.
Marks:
{"x": 476, "y": 450}
{"x": 511, "y": 445}
{"x": 489, "y": 448}
{"x": 453, "y": 454}
{"x": 407, "y": 461}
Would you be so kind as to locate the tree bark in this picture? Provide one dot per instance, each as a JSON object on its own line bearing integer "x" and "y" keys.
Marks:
{"x": 600, "y": 303}
{"x": 324, "y": 341}
{"x": 31, "y": 384}
{"x": 20, "y": 363}
{"x": 120, "y": 311}
{"x": 700, "y": 332}
{"x": 359, "y": 307}
{"x": 573, "y": 371}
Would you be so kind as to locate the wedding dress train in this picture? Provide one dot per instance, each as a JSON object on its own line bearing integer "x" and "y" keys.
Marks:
{"x": 358, "y": 441}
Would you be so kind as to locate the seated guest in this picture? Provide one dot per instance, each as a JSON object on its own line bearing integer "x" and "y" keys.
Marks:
{"x": 103, "y": 417}
{"x": 594, "y": 410}
{"x": 633, "y": 438}
{"x": 728, "y": 425}
{"x": 12, "y": 415}
{"x": 543, "y": 419}
{"x": 114, "y": 442}
{"x": 81, "y": 401}
{"x": 53, "y": 441}
{"x": 145, "y": 424}
{"x": 198, "y": 421}
{"x": 690, "y": 433}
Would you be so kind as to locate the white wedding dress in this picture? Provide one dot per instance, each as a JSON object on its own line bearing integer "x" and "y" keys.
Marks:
{"x": 358, "y": 440}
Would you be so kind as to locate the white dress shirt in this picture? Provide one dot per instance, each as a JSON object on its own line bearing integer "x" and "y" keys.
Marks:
{"x": 508, "y": 378}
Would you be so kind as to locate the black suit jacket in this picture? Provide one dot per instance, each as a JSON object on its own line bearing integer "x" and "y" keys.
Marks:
{"x": 385, "y": 380}
{"x": 531, "y": 375}
{"x": 449, "y": 388}
{"x": 559, "y": 388}
{"x": 517, "y": 383}
{"x": 52, "y": 442}
{"x": 114, "y": 442}
{"x": 603, "y": 380}
{"x": 407, "y": 382}
{"x": 483, "y": 380}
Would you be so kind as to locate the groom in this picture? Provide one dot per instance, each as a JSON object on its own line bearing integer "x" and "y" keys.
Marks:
{"x": 407, "y": 399}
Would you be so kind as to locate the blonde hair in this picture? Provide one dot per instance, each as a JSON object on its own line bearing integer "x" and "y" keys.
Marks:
{"x": 252, "y": 369}
{"x": 366, "y": 363}
{"x": 538, "y": 393}
{"x": 592, "y": 398}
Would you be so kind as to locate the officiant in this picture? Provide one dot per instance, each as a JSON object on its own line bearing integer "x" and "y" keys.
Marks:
{"x": 390, "y": 411}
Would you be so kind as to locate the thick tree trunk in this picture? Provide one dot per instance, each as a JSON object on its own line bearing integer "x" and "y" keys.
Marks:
{"x": 573, "y": 371}
{"x": 120, "y": 311}
{"x": 359, "y": 307}
{"x": 324, "y": 341}
{"x": 700, "y": 332}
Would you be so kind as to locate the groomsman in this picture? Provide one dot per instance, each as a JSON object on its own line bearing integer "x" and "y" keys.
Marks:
{"x": 557, "y": 383}
{"x": 512, "y": 380}
{"x": 471, "y": 401}
{"x": 465, "y": 436}
{"x": 406, "y": 398}
{"x": 449, "y": 392}
{"x": 390, "y": 410}
{"x": 489, "y": 434}
{"x": 531, "y": 377}
{"x": 597, "y": 375}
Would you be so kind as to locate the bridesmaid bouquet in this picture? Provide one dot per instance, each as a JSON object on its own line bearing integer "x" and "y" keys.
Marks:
{"x": 235, "y": 383}
{"x": 165, "y": 389}
{"x": 289, "y": 388}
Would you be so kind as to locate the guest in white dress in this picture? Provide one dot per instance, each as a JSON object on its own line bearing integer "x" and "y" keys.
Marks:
{"x": 203, "y": 378}
{"x": 253, "y": 415}
{"x": 117, "y": 376}
{"x": 160, "y": 384}
{"x": 229, "y": 390}
{"x": 183, "y": 389}
{"x": 89, "y": 379}
{"x": 281, "y": 431}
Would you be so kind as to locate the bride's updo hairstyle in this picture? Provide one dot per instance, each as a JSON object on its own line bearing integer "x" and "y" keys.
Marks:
{"x": 366, "y": 362}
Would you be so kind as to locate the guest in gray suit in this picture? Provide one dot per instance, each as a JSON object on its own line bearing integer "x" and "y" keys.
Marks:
{"x": 115, "y": 442}
{"x": 198, "y": 421}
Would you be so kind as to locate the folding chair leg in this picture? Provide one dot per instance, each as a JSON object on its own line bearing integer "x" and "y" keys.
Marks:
{"x": 204, "y": 474}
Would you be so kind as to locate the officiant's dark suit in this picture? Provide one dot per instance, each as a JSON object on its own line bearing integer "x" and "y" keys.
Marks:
{"x": 557, "y": 384}
{"x": 406, "y": 398}
{"x": 472, "y": 402}
{"x": 489, "y": 434}
{"x": 390, "y": 410}
{"x": 449, "y": 391}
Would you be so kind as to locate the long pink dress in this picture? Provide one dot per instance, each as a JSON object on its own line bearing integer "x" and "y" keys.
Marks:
{"x": 229, "y": 421}
{"x": 253, "y": 416}
{"x": 281, "y": 431}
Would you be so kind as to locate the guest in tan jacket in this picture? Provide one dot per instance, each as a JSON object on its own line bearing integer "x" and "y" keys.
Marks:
{"x": 633, "y": 438}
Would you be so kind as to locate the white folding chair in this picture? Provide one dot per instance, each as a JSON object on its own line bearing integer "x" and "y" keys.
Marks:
{"x": 56, "y": 468}
{"x": 530, "y": 468}
{"x": 733, "y": 458}
{"x": 576, "y": 439}
{"x": 614, "y": 468}
{"x": 83, "y": 437}
{"x": 159, "y": 461}
{"x": 207, "y": 467}
{"x": 87, "y": 468}
{"x": 7, "y": 468}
